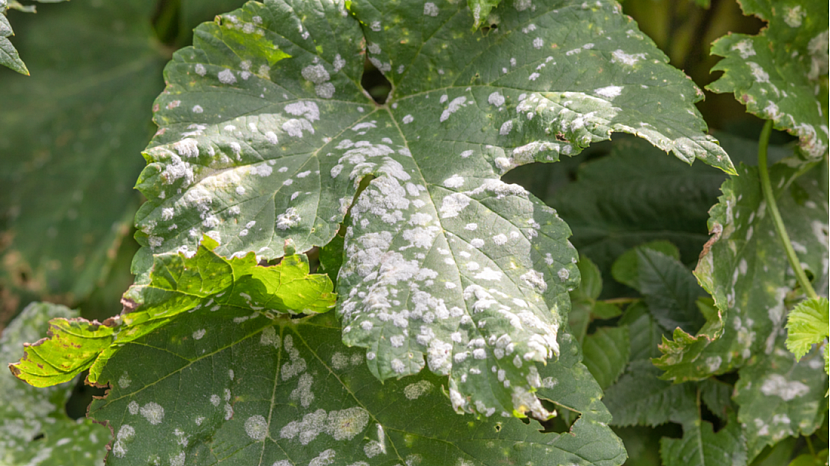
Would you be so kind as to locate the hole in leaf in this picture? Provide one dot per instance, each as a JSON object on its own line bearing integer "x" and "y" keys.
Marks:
{"x": 563, "y": 421}
{"x": 488, "y": 28}
{"x": 81, "y": 397}
{"x": 375, "y": 83}
{"x": 498, "y": 427}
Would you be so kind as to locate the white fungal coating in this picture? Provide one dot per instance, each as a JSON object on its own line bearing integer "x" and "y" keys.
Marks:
{"x": 256, "y": 427}
{"x": 153, "y": 412}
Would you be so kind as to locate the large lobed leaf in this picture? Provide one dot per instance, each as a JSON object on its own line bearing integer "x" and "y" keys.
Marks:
{"x": 288, "y": 392}
{"x": 746, "y": 271}
{"x": 266, "y": 134}
{"x": 70, "y": 136}
{"x": 178, "y": 284}
{"x": 781, "y": 73}
{"x": 34, "y": 427}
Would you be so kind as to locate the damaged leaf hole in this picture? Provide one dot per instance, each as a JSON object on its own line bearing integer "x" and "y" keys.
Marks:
{"x": 375, "y": 83}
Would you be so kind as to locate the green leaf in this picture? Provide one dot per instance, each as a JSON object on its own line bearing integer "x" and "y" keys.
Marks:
{"x": 645, "y": 333}
{"x": 671, "y": 291}
{"x": 69, "y": 135}
{"x": 702, "y": 446}
{"x": 34, "y": 428}
{"x": 636, "y": 195}
{"x": 480, "y": 9}
{"x": 331, "y": 257}
{"x": 605, "y": 354}
{"x": 779, "y": 397}
{"x": 288, "y": 392}
{"x": 743, "y": 266}
{"x": 179, "y": 283}
{"x": 253, "y": 151}
{"x": 8, "y": 54}
{"x": 626, "y": 268}
{"x": 781, "y": 73}
{"x": 584, "y": 304}
{"x": 807, "y": 324}
{"x": 718, "y": 397}
{"x": 640, "y": 398}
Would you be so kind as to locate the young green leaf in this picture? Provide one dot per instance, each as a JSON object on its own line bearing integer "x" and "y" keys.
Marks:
{"x": 266, "y": 134}
{"x": 288, "y": 392}
{"x": 718, "y": 397}
{"x": 70, "y": 134}
{"x": 34, "y": 428}
{"x": 605, "y": 354}
{"x": 640, "y": 398}
{"x": 626, "y": 268}
{"x": 702, "y": 446}
{"x": 781, "y": 73}
{"x": 179, "y": 283}
{"x": 745, "y": 269}
{"x": 807, "y": 325}
{"x": 779, "y": 397}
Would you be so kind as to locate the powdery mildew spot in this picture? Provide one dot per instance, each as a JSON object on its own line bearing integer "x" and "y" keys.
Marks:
{"x": 153, "y": 412}
{"x": 198, "y": 334}
{"x": 414, "y": 390}
{"x": 124, "y": 381}
{"x": 256, "y": 427}
{"x": 133, "y": 407}
{"x": 778, "y": 385}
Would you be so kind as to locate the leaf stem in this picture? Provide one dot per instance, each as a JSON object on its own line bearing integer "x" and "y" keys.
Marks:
{"x": 810, "y": 445}
{"x": 766, "y": 187}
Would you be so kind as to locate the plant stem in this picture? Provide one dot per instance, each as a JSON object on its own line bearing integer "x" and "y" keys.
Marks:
{"x": 810, "y": 445}
{"x": 766, "y": 187}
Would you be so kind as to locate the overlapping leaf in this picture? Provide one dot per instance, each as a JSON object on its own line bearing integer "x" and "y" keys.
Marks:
{"x": 34, "y": 428}
{"x": 779, "y": 397}
{"x": 808, "y": 324}
{"x": 702, "y": 446}
{"x": 265, "y": 392}
{"x": 781, "y": 73}
{"x": 266, "y": 133}
{"x": 70, "y": 136}
{"x": 178, "y": 284}
{"x": 8, "y": 54}
{"x": 746, "y": 271}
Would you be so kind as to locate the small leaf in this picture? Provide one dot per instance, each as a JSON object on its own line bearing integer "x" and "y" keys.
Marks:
{"x": 605, "y": 354}
{"x": 718, "y": 397}
{"x": 701, "y": 446}
{"x": 807, "y": 324}
{"x": 645, "y": 333}
{"x": 8, "y": 54}
{"x": 626, "y": 268}
{"x": 34, "y": 427}
{"x": 670, "y": 291}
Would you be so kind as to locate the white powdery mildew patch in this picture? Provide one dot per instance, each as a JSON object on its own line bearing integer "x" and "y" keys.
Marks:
{"x": 198, "y": 334}
{"x": 619, "y": 56}
{"x": 133, "y": 407}
{"x": 609, "y": 92}
{"x": 226, "y": 77}
{"x": 124, "y": 381}
{"x": 153, "y": 412}
{"x": 430, "y": 9}
{"x": 415, "y": 390}
{"x": 453, "y": 107}
{"x": 496, "y": 99}
{"x": 303, "y": 392}
{"x": 256, "y": 427}
{"x": 324, "y": 458}
{"x": 778, "y": 385}
{"x": 340, "y": 425}
{"x": 289, "y": 219}
{"x": 125, "y": 435}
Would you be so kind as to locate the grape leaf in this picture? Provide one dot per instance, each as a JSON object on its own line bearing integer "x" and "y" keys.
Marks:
{"x": 745, "y": 269}
{"x": 781, "y": 73}
{"x": 288, "y": 392}
{"x": 702, "y": 446}
{"x": 178, "y": 284}
{"x": 70, "y": 135}
{"x": 779, "y": 397}
{"x": 605, "y": 354}
{"x": 807, "y": 325}
{"x": 34, "y": 428}
{"x": 266, "y": 134}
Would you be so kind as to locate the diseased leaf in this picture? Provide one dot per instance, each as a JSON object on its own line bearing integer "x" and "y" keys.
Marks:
{"x": 288, "y": 392}
{"x": 745, "y": 269}
{"x": 779, "y": 397}
{"x": 808, "y": 324}
{"x": 177, "y": 284}
{"x": 702, "y": 446}
{"x": 480, "y": 9}
{"x": 69, "y": 137}
{"x": 266, "y": 135}
{"x": 34, "y": 428}
{"x": 8, "y": 54}
{"x": 781, "y": 73}
{"x": 605, "y": 354}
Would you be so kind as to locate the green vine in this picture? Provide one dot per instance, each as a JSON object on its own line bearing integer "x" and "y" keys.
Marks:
{"x": 766, "y": 187}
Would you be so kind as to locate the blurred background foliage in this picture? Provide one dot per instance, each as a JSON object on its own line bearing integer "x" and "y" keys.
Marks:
{"x": 71, "y": 136}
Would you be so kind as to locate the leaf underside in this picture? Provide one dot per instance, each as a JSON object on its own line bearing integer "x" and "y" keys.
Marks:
{"x": 266, "y": 134}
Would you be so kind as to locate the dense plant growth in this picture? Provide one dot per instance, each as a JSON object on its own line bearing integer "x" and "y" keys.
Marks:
{"x": 369, "y": 237}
